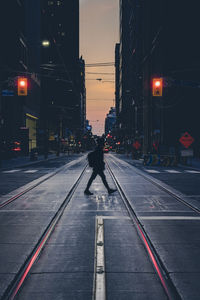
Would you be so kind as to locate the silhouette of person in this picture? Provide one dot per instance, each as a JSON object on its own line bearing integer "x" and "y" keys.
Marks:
{"x": 98, "y": 169}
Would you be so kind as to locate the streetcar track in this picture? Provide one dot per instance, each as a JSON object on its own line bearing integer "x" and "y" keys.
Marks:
{"x": 163, "y": 275}
{"x": 20, "y": 277}
{"x": 15, "y": 197}
{"x": 178, "y": 198}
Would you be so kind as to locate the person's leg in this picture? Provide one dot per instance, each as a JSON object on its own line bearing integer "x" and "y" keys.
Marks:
{"x": 103, "y": 177}
{"x": 92, "y": 177}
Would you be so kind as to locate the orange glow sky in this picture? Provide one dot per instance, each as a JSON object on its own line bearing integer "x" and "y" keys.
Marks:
{"x": 99, "y": 28}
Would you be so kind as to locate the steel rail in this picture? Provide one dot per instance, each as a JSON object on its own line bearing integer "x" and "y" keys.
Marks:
{"x": 160, "y": 269}
{"x": 33, "y": 186}
{"x": 20, "y": 277}
{"x": 178, "y": 198}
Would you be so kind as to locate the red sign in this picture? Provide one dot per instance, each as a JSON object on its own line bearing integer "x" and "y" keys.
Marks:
{"x": 186, "y": 140}
{"x": 136, "y": 145}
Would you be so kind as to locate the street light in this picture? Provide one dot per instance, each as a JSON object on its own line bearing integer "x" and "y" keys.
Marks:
{"x": 45, "y": 43}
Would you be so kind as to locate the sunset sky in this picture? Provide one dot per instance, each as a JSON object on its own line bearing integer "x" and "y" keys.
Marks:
{"x": 99, "y": 32}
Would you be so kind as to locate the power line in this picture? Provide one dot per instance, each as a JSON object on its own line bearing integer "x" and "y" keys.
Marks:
{"x": 100, "y": 73}
{"x": 100, "y": 100}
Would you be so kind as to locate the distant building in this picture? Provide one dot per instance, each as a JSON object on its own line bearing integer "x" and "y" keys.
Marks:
{"x": 110, "y": 120}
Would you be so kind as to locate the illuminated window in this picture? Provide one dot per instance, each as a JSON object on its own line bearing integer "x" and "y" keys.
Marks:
{"x": 63, "y": 33}
{"x": 50, "y": 2}
{"x": 59, "y": 3}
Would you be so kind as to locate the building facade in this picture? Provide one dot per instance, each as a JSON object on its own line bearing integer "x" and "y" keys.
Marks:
{"x": 61, "y": 84}
{"x": 159, "y": 43}
{"x": 19, "y": 114}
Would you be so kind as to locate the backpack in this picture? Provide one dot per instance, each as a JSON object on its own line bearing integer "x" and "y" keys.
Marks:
{"x": 91, "y": 159}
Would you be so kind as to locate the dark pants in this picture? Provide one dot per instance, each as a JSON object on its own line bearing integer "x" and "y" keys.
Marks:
{"x": 94, "y": 175}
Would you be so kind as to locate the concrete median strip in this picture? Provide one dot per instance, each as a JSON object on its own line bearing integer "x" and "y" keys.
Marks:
{"x": 99, "y": 280}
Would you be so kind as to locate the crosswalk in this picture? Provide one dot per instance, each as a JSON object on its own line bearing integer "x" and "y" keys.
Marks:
{"x": 151, "y": 171}
{"x": 19, "y": 170}
{"x": 171, "y": 171}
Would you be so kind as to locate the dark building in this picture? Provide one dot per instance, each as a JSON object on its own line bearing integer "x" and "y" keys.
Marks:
{"x": 171, "y": 51}
{"x": 61, "y": 69}
{"x": 110, "y": 120}
{"x": 117, "y": 82}
{"x": 19, "y": 114}
{"x": 160, "y": 40}
{"x": 83, "y": 97}
{"x": 124, "y": 118}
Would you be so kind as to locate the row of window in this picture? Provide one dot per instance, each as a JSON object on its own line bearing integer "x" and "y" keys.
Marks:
{"x": 58, "y": 3}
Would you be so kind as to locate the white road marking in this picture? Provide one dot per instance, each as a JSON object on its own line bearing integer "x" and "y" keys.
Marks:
{"x": 115, "y": 218}
{"x": 172, "y": 171}
{"x": 12, "y": 171}
{"x": 30, "y": 171}
{"x": 152, "y": 171}
{"x": 192, "y": 171}
{"x": 169, "y": 218}
{"x": 100, "y": 283}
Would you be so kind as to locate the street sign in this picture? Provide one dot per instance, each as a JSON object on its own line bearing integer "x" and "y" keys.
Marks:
{"x": 186, "y": 140}
{"x": 7, "y": 93}
{"x": 136, "y": 145}
{"x": 187, "y": 153}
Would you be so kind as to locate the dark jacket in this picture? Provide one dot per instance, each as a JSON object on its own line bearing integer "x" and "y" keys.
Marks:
{"x": 99, "y": 164}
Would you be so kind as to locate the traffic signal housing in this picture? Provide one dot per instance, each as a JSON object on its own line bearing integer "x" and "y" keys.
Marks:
{"x": 157, "y": 87}
{"x": 22, "y": 86}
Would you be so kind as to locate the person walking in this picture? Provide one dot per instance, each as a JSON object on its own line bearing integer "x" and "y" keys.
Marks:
{"x": 98, "y": 165}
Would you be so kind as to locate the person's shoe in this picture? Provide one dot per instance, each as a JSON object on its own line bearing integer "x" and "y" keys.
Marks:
{"x": 87, "y": 192}
{"x": 110, "y": 191}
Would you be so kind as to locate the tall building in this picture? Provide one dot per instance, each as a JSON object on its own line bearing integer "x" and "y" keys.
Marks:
{"x": 117, "y": 82}
{"x": 83, "y": 97}
{"x": 19, "y": 114}
{"x": 157, "y": 41}
{"x": 124, "y": 84}
{"x": 171, "y": 51}
{"x": 61, "y": 68}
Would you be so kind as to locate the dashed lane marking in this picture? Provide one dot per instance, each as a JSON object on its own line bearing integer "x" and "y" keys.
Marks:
{"x": 152, "y": 171}
{"x": 31, "y": 171}
{"x": 192, "y": 171}
{"x": 172, "y": 171}
{"x": 12, "y": 171}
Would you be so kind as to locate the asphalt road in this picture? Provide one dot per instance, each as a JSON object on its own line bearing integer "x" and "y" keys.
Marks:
{"x": 95, "y": 246}
{"x": 182, "y": 178}
{"x": 17, "y": 177}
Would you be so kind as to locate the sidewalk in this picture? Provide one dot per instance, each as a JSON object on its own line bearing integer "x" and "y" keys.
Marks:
{"x": 22, "y": 161}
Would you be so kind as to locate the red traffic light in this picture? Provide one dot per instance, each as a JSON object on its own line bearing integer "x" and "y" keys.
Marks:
{"x": 157, "y": 83}
{"x": 22, "y": 86}
{"x": 22, "y": 83}
{"x": 157, "y": 87}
